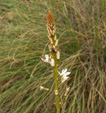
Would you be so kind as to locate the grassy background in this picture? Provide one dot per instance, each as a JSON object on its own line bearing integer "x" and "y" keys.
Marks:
{"x": 81, "y": 30}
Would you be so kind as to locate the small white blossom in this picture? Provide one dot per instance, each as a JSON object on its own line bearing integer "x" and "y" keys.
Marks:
{"x": 48, "y": 59}
{"x": 45, "y": 58}
{"x": 63, "y": 75}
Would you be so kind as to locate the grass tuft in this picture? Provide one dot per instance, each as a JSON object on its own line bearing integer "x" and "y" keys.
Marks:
{"x": 81, "y": 30}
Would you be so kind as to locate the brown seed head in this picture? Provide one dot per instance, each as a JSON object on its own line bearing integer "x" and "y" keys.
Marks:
{"x": 50, "y": 21}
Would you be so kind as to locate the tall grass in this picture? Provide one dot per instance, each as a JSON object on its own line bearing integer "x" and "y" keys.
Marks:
{"x": 81, "y": 30}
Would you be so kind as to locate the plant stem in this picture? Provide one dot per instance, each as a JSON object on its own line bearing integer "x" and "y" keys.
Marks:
{"x": 56, "y": 84}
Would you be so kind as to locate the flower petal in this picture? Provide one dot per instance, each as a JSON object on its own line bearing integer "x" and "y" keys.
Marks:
{"x": 67, "y": 73}
{"x": 64, "y": 71}
{"x": 63, "y": 78}
{"x": 52, "y": 62}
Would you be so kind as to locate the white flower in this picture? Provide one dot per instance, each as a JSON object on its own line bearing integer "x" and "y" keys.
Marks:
{"x": 63, "y": 75}
{"x": 45, "y": 58}
{"x": 48, "y": 59}
{"x": 64, "y": 72}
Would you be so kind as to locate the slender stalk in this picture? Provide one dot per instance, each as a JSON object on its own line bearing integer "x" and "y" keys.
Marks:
{"x": 56, "y": 84}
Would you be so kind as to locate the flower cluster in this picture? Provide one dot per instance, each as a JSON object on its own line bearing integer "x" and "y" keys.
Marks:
{"x": 55, "y": 54}
{"x": 51, "y": 35}
{"x": 53, "y": 41}
{"x": 48, "y": 59}
{"x": 63, "y": 75}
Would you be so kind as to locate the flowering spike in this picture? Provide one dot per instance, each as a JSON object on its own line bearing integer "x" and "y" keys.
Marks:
{"x": 52, "y": 60}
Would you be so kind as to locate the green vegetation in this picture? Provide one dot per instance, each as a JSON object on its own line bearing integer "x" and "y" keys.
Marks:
{"x": 81, "y": 30}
